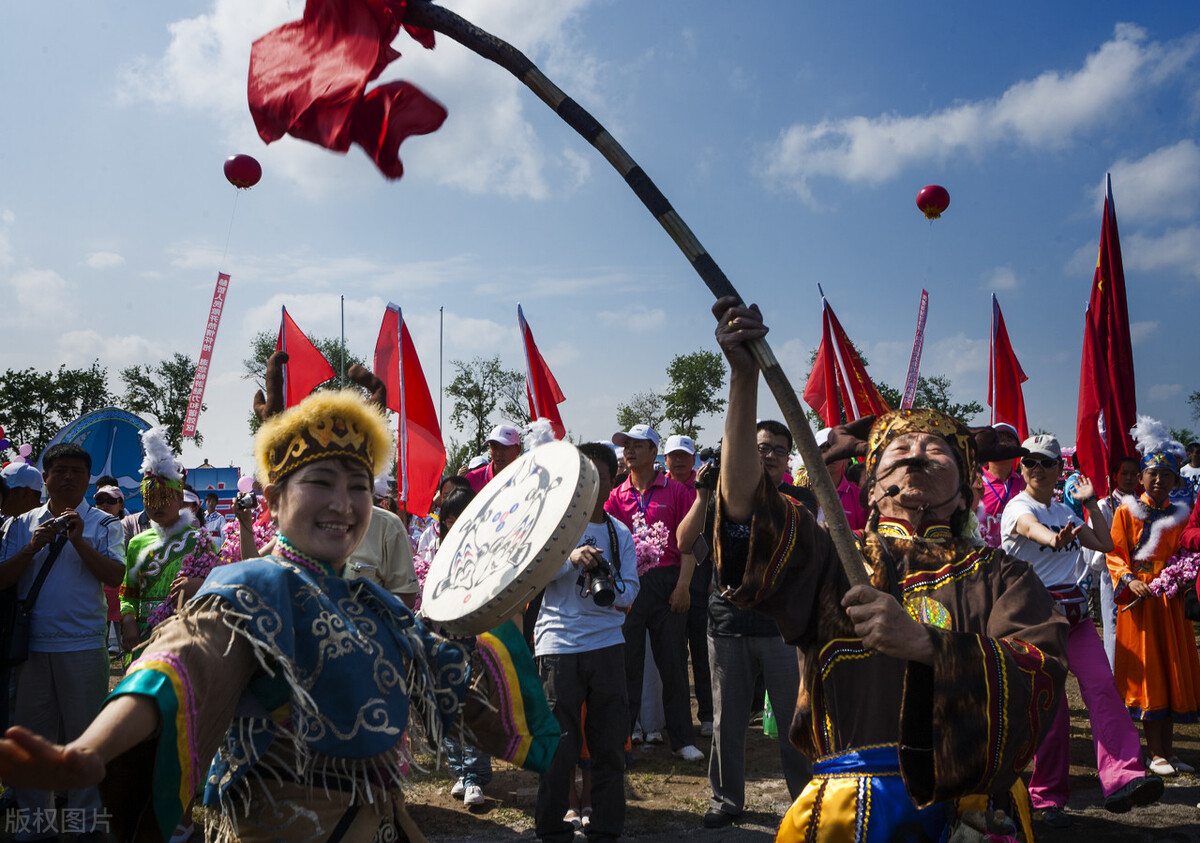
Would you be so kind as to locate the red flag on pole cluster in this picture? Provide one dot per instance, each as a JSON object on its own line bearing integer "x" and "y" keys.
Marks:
{"x": 1107, "y": 401}
{"x": 1005, "y": 378}
{"x": 839, "y": 374}
{"x": 540, "y": 385}
{"x": 422, "y": 455}
{"x": 306, "y": 368}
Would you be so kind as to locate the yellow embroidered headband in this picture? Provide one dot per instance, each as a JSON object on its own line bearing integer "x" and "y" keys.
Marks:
{"x": 330, "y": 423}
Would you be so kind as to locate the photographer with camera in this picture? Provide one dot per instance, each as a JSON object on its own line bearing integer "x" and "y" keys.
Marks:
{"x": 580, "y": 652}
{"x": 59, "y": 555}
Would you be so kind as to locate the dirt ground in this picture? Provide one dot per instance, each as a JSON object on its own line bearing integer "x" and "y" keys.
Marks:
{"x": 667, "y": 798}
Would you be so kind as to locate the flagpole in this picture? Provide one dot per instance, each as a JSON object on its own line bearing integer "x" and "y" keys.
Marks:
{"x": 343, "y": 340}
{"x": 441, "y": 329}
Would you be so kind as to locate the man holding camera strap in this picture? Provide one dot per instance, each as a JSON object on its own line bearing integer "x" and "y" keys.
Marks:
{"x": 580, "y": 652}
{"x": 65, "y": 678}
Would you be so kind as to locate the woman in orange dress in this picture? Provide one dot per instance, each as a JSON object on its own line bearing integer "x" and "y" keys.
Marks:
{"x": 1156, "y": 665}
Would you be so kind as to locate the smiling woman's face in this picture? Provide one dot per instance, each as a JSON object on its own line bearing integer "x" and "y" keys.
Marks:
{"x": 324, "y": 508}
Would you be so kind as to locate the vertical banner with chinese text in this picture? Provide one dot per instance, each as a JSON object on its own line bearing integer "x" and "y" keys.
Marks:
{"x": 196, "y": 401}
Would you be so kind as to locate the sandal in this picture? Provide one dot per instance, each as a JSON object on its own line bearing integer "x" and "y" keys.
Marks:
{"x": 1161, "y": 767}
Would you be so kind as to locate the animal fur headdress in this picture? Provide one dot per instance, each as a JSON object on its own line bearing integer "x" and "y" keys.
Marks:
{"x": 330, "y": 423}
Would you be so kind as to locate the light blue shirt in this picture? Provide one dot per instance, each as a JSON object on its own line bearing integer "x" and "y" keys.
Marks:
{"x": 568, "y": 623}
{"x": 70, "y": 612}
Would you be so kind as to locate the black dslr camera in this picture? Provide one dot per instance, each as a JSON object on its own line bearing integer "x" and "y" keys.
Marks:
{"x": 598, "y": 584}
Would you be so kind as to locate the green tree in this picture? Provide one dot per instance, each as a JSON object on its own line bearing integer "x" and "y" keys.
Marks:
{"x": 36, "y": 405}
{"x": 1194, "y": 403}
{"x": 1184, "y": 435}
{"x": 262, "y": 346}
{"x": 933, "y": 392}
{"x": 696, "y": 381}
{"x": 163, "y": 391}
{"x": 478, "y": 388}
{"x": 457, "y": 455}
{"x": 643, "y": 408}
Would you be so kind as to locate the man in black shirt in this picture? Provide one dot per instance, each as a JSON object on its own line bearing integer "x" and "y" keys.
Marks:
{"x": 741, "y": 643}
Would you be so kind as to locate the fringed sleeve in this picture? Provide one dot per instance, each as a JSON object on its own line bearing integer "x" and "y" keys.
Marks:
{"x": 194, "y": 670}
{"x": 955, "y": 741}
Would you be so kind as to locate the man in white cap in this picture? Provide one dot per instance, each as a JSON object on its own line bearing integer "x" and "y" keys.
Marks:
{"x": 504, "y": 446}
{"x": 24, "y": 484}
{"x": 663, "y": 601}
{"x": 680, "y": 457}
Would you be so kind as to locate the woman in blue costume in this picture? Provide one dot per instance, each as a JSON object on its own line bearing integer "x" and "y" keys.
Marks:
{"x": 296, "y": 683}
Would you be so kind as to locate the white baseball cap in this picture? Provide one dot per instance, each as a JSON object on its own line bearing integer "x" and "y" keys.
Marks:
{"x": 477, "y": 461}
{"x": 675, "y": 442}
{"x": 22, "y": 475}
{"x": 638, "y": 431}
{"x": 505, "y": 434}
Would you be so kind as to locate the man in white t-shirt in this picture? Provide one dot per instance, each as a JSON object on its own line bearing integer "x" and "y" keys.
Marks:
{"x": 1191, "y": 469}
{"x": 1047, "y": 534}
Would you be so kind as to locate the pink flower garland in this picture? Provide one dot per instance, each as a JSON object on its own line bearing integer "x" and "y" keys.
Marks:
{"x": 231, "y": 551}
{"x": 649, "y": 541}
{"x": 1179, "y": 574}
{"x": 198, "y": 563}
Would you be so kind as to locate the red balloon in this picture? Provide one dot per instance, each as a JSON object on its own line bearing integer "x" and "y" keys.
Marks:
{"x": 242, "y": 171}
{"x": 933, "y": 199}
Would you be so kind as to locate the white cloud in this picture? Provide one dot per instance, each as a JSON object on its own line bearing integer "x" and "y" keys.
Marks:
{"x": 638, "y": 320}
{"x": 80, "y": 348}
{"x": 1177, "y": 250}
{"x": 1047, "y": 112}
{"x": 1139, "y": 332}
{"x": 1163, "y": 391}
{"x": 486, "y": 146}
{"x": 1163, "y": 185}
{"x": 104, "y": 260}
{"x": 41, "y": 294}
{"x": 1000, "y": 279}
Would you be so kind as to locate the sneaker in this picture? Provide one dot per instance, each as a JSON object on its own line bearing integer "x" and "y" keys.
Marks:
{"x": 689, "y": 753}
{"x": 718, "y": 819}
{"x": 654, "y": 738}
{"x": 636, "y": 737}
{"x": 587, "y": 818}
{"x": 457, "y": 790}
{"x": 573, "y": 818}
{"x": 1161, "y": 767}
{"x": 1181, "y": 767}
{"x": 1055, "y": 817}
{"x": 1141, "y": 791}
{"x": 473, "y": 795}
{"x": 706, "y": 729}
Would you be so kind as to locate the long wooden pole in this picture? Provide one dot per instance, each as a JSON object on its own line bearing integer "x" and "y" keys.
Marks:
{"x": 430, "y": 16}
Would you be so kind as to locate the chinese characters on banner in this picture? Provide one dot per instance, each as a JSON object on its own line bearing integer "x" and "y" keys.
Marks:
{"x": 210, "y": 338}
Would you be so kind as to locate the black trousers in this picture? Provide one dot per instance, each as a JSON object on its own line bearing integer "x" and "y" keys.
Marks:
{"x": 596, "y": 677}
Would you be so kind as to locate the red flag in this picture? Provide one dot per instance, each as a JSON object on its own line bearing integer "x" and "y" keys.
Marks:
{"x": 540, "y": 385}
{"x": 1005, "y": 378}
{"x": 1107, "y": 400}
{"x": 422, "y": 455}
{"x": 308, "y": 78}
{"x": 306, "y": 368}
{"x": 820, "y": 392}
{"x": 839, "y": 376}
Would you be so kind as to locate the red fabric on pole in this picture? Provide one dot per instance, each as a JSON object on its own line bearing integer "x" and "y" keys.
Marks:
{"x": 306, "y": 368}
{"x": 1005, "y": 377}
{"x": 865, "y": 397}
{"x": 820, "y": 392}
{"x": 196, "y": 399}
{"x": 540, "y": 385}
{"x": 308, "y": 77}
{"x": 422, "y": 456}
{"x": 1107, "y": 398}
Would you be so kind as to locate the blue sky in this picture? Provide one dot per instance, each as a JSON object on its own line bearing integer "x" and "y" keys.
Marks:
{"x": 792, "y": 137}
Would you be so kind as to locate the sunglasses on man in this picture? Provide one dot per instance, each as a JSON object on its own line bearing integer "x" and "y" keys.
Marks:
{"x": 1046, "y": 462}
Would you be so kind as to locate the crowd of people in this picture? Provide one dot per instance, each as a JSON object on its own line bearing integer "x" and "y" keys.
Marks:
{"x": 279, "y": 668}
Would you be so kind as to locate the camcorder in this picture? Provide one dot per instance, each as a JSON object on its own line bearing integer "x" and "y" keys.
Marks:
{"x": 712, "y": 455}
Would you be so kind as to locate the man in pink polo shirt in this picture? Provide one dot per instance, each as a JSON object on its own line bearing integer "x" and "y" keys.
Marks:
{"x": 680, "y": 458}
{"x": 504, "y": 446}
{"x": 661, "y": 606}
{"x": 848, "y": 492}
